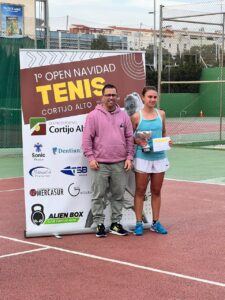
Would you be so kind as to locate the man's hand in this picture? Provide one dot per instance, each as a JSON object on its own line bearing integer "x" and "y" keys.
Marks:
{"x": 94, "y": 164}
{"x": 128, "y": 165}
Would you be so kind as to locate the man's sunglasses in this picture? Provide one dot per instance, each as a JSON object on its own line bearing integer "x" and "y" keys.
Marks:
{"x": 110, "y": 95}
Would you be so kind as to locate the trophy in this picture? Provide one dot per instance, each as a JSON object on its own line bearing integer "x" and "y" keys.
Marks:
{"x": 144, "y": 136}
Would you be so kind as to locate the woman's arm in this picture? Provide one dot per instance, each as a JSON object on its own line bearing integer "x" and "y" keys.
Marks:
{"x": 163, "y": 116}
{"x": 135, "y": 120}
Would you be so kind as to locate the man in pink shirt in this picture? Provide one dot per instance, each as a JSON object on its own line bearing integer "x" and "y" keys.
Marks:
{"x": 108, "y": 145}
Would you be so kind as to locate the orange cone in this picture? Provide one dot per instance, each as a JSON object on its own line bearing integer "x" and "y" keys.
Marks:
{"x": 201, "y": 114}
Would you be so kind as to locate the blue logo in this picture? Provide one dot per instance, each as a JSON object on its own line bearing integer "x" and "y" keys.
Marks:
{"x": 54, "y": 150}
{"x": 72, "y": 171}
{"x": 38, "y": 147}
{"x": 57, "y": 150}
{"x": 40, "y": 172}
{"x": 38, "y": 154}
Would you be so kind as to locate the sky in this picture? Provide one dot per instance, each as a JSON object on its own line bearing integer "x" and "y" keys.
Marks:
{"x": 99, "y": 13}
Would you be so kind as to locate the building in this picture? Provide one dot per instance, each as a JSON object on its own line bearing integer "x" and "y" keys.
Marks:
{"x": 137, "y": 38}
{"x": 30, "y": 18}
{"x": 81, "y": 37}
{"x": 67, "y": 40}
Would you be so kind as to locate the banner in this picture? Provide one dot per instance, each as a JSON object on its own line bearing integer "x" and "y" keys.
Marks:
{"x": 59, "y": 89}
{"x": 12, "y": 20}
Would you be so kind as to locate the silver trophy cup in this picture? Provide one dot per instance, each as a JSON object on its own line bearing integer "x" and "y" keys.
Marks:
{"x": 144, "y": 136}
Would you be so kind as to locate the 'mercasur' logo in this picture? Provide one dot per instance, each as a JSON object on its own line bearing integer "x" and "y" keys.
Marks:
{"x": 43, "y": 192}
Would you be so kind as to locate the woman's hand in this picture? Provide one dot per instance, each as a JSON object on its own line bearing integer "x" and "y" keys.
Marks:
{"x": 140, "y": 142}
{"x": 170, "y": 143}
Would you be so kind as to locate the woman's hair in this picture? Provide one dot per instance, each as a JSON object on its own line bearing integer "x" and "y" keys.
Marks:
{"x": 148, "y": 88}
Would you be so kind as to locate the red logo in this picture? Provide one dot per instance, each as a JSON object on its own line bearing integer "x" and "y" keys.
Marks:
{"x": 33, "y": 192}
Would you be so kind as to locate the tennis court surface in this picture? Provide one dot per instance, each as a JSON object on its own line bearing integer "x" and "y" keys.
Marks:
{"x": 188, "y": 263}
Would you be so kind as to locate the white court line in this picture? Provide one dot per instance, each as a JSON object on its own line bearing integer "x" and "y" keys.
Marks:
{"x": 23, "y": 252}
{"x": 8, "y": 178}
{"x": 120, "y": 262}
{"x": 14, "y": 190}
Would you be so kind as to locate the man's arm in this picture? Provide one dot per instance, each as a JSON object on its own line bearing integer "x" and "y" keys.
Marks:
{"x": 87, "y": 141}
{"x": 88, "y": 137}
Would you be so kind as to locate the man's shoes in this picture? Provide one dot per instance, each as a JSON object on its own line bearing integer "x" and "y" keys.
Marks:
{"x": 117, "y": 228}
{"x": 100, "y": 231}
{"x": 157, "y": 227}
{"x": 138, "y": 230}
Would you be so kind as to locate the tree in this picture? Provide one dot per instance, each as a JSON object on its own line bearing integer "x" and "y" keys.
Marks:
{"x": 183, "y": 72}
{"x": 100, "y": 43}
{"x": 151, "y": 74}
{"x": 149, "y": 55}
{"x": 209, "y": 54}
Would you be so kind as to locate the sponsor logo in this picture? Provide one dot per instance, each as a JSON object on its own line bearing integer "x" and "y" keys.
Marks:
{"x": 57, "y": 150}
{"x": 37, "y": 214}
{"x": 38, "y": 155}
{"x": 40, "y": 172}
{"x": 60, "y": 123}
{"x": 33, "y": 192}
{"x": 75, "y": 190}
{"x": 38, "y": 147}
{"x": 72, "y": 171}
{"x": 66, "y": 129}
{"x": 38, "y": 126}
{"x": 54, "y": 150}
{"x": 46, "y": 192}
{"x": 64, "y": 217}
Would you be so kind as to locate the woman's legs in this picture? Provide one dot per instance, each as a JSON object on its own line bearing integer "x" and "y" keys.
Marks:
{"x": 156, "y": 185}
{"x": 141, "y": 185}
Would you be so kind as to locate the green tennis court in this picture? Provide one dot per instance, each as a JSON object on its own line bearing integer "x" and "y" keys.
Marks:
{"x": 187, "y": 163}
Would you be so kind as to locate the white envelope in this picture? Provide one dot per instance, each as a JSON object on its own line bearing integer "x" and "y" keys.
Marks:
{"x": 161, "y": 144}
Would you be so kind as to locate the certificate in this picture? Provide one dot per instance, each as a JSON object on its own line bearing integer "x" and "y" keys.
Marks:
{"x": 161, "y": 144}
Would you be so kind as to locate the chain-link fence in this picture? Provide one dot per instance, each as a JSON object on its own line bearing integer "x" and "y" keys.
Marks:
{"x": 190, "y": 71}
